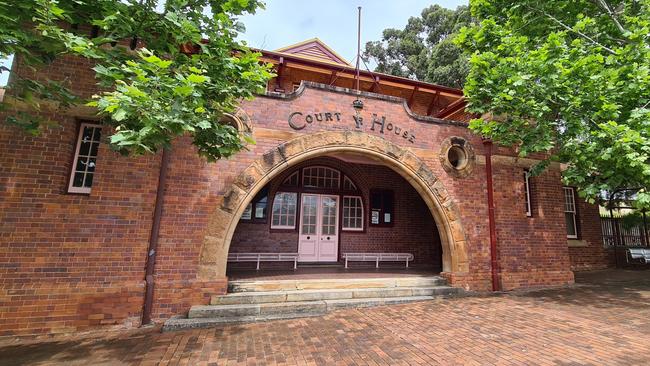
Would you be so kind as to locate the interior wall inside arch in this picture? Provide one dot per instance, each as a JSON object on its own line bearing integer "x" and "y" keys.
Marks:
{"x": 413, "y": 229}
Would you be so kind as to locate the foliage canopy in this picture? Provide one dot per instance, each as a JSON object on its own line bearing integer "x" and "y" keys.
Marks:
{"x": 569, "y": 77}
{"x": 424, "y": 49}
{"x": 154, "y": 88}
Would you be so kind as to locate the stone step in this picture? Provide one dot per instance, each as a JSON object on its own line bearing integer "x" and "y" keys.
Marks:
{"x": 339, "y": 283}
{"x": 239, "y": 310}
{"x": 329, "y": 294}
{"x": 206, "y": 316}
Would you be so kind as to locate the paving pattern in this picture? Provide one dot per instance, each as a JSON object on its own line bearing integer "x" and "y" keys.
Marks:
{"x": 605, "y": 320}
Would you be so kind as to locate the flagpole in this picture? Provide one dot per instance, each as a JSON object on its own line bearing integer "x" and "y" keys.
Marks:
{"x": 358, "y": 47}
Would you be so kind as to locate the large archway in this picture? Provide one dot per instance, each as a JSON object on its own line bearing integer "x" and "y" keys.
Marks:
{"x": 224, "y": 220}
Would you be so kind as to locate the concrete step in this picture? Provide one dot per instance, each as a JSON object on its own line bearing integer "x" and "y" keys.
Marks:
{"x": 206, "y": 316}
{"x": 185, "y": 323}
{"x": 329, "y": 294}
{"x": 238, "y": 310}
{"x": 339, "y": 283}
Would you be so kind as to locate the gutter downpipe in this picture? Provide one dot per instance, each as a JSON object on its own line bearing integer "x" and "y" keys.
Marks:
{"x": 153, "y": 239}
{"x": 496, "y": 284}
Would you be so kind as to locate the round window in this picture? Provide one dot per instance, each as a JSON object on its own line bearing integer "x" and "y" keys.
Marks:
{"x": 457, "y": 157}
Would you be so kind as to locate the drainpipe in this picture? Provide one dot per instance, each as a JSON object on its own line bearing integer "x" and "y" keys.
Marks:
{"x": 496, "y": 285}
{"x": 153, "y": 239}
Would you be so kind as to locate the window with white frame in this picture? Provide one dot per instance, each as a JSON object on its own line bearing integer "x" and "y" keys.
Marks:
{"x": 320, "y": 177}
{"x": 284, "y": 210}
{"x": 352, "y": 213}
{"x": 348, "y": 185}
{"x": 85, "y": 158}
{"x": 570, "y": 213}
{"x": 529, "y": 207}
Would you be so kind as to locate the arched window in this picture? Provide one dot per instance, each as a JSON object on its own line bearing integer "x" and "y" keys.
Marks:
{"x": 232, "y": 121}
{"x": 321, "y": 177}
{"x": 348, "y": 185}
{"x": 291, "y": 180}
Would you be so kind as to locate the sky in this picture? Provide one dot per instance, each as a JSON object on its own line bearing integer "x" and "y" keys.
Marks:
{"x": 285, "y": 22}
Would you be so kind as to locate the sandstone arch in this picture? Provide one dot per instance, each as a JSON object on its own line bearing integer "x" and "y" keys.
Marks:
{"x": 224, "y": 220}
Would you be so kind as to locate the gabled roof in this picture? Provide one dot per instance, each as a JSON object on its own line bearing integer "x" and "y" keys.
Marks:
{"x": 314, "y": 49}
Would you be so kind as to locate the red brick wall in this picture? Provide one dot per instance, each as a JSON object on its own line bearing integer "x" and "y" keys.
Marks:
{"x": 532, "y": 250}
{"x": 589, "y": 254}
{"x": 71, "y": 262}
{"x": 414, "y": 230}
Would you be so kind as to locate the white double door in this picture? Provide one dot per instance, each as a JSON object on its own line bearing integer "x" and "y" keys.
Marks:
{"x": 319, "y": 225}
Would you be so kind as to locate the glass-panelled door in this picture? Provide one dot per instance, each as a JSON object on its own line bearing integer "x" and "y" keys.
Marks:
{"x": 318, "y": 241}
{"x": 308, "y": 240}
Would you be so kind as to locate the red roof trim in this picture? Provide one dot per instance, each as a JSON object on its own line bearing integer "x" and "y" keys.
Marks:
{"x": 346, "y": 68}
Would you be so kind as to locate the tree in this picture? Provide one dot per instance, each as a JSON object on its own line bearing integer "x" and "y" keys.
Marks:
{"x": 566, "y": 78}
{"x": 424, "y": 50}
{"x": 167, "y": 68}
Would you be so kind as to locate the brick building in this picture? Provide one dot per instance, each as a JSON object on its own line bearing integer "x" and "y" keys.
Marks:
{"x": 399, "y": 174}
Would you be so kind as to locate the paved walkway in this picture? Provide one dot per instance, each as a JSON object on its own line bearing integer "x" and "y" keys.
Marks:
{"x": 603, "y": 321}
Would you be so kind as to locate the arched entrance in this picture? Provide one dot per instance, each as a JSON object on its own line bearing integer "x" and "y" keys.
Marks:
{"x": 224, "y": 220}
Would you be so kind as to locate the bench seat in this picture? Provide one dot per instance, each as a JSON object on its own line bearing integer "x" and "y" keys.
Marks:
{"x": 264, "y": 257}
{"x": 639, "y": 254}
{"x": 377, "y": 257}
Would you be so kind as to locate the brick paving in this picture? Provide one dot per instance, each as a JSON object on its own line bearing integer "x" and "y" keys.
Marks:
{"x": 605, "y": 320}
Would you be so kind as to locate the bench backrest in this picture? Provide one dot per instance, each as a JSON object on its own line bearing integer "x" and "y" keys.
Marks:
{"x": 638, "y": 253}
{"x": 261, "y": 256}
{"x": 380, "y": 256}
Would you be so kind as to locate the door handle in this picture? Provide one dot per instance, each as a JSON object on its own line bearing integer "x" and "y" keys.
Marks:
{"x": 309, "y": 237}
{"x": 328, "y": 238}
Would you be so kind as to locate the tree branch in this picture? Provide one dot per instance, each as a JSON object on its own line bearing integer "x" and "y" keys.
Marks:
{"x": 605, "y": 6}
{"x": 593, "y": 41}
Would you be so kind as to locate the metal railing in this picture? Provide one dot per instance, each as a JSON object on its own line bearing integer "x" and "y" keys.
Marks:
{"x": 615, "y": 234}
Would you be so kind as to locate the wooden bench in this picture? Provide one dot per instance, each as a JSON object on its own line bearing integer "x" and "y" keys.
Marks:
{"x": 264, "y": 257}
{"x": 377, "y": 257}
{"x": 643, "y": 255}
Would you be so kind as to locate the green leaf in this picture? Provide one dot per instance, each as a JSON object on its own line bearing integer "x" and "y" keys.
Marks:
{"x": 198, "y": 79}
{"x": 119, "y": 115}
{"x": 183, "y": 90}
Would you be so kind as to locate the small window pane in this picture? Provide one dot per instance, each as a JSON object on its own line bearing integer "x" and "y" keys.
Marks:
{"x": 78, "y": 179}
{"x": 348, "y": 185}
{"x": 89, "y": 180}
{"x": 88, "y": 134}
{"x": 91, "y": 164}
{"x": 82, "y": 162}
{"x": 260, "y": 209}
{"x": 85, "y": 148}
{"x": 284, "y": 210}
{"x": 570, "y": 224}
{"x": 352, "y": 213}
{"x": 93, "y": 150}
{"x": 291, "y": 180}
